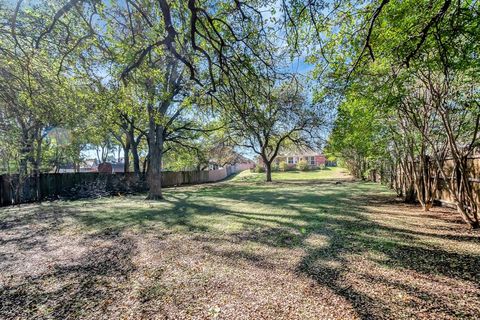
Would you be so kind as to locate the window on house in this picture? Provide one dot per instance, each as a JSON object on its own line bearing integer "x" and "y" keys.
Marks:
{"x": 290, "y": 160}
{"x": 312, "y": 161}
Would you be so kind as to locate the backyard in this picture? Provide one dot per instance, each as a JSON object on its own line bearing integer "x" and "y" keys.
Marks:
{"x": 310, "y": 245}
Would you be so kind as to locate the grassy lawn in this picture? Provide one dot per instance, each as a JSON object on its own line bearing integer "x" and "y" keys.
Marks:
{"x": 310, "y": 245}
{"x": 328, "y": 173}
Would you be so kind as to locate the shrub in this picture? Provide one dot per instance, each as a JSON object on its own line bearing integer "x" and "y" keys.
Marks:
{"x": 283, "y": 166}
{"x": 259, "y": 169}
{"x": 275, "y": 167}
{"x": 302, "y": 165}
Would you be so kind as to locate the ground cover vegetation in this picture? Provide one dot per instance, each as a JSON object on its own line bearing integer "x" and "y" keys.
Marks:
{"x": 310, "y": 245}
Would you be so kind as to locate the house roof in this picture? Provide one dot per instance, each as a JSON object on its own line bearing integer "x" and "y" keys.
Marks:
{"x": 300, "y": 151}
{"x": 226, "y": 155}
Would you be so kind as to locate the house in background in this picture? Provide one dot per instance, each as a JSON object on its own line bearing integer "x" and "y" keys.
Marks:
{"x": 232, "y": 159}
{"x": 93, "y": 165}
{"x": 313, "y": 158}
{"x": 87, "y": 165}
{"x": 222, "y": 155}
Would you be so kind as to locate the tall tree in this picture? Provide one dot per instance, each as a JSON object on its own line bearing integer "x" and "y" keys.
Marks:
{"x": 35, "y": 90}
{"x": 277, "y": 115}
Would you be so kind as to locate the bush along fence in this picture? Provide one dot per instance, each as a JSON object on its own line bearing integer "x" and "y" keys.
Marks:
{"x": 409, "y": 180}
{"x": 54, "y": 186}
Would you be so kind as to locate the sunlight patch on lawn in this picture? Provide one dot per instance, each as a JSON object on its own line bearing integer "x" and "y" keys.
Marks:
{"x": 317, "y": 241}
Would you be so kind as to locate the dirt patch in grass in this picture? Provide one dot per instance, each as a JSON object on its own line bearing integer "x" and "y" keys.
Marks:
{"x": 239, "y": 251}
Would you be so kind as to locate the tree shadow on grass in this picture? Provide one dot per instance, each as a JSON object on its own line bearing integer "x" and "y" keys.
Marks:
{"x": 397, "y": 251}
{"x": 81, "y": 289}
{"x": 351, "y": 233}
{"x": 337, "y": 214}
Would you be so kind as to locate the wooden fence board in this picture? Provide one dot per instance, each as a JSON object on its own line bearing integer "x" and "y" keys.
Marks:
{"x": 71, "y": 185}
{"x": 443, "y": 195}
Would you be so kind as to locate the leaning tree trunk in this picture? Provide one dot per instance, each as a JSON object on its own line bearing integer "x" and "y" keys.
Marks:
{"x": 464, "y": 194}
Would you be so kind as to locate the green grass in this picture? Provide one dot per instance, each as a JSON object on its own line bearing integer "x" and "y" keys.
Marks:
{"x": 308, "y": 245}
{"x": 243, "y": 203}
{"x": 320, "y": 174}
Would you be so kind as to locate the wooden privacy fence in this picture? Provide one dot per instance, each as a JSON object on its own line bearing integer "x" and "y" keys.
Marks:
{"x": 443, "y": 194}
{"x": 90, "y": 184}
{"x": 220, "y": 174}
{"x": 474, "y": 177}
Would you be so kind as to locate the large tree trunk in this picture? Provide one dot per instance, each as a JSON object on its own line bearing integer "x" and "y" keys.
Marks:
{"x": 156, "y": 132}
{"x": 126, "y": 154}
{"x": 133, "y": 144}
{"x": 136, "y": 159}
{"x": 418, "y": 179}
{"x": 429, "y": 184}
{"x": 126, "y": 159}
{"x": 410, "y": 194}
{"x": 154, "y": 174}
{"x": 154, "y": 171}
{"x": 268, "y": 169}
{"x": 268, "y": 166}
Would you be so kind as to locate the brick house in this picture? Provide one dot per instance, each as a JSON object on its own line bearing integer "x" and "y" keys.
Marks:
{"x": 313, "y": 158}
